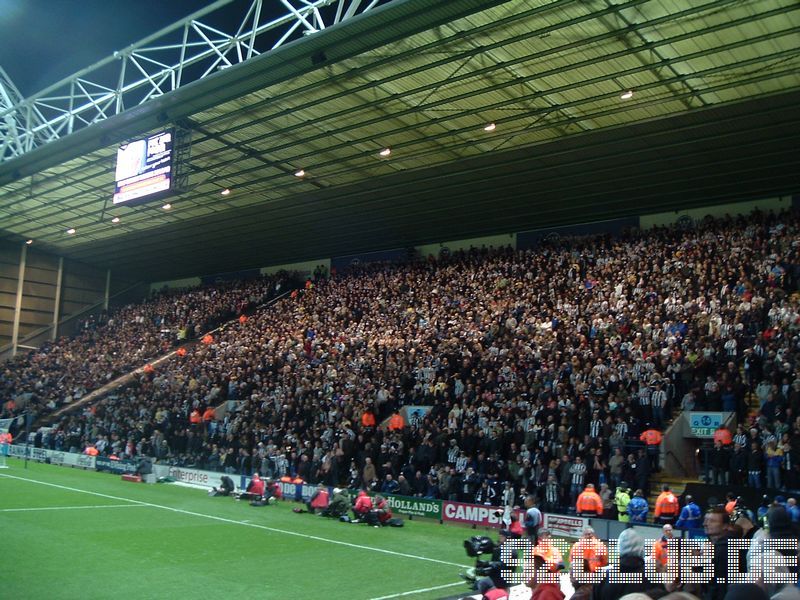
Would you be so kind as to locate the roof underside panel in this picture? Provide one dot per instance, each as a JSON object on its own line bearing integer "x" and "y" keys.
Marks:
{"x": 547, "y": 74}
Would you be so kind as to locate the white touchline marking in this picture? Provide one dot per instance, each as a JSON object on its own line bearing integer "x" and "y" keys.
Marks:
{"x": 69, "y": 507}
{"x": 421, "y": 591}
{"x": 234, "y": 522}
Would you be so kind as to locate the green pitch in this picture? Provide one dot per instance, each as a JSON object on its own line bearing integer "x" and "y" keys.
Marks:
{"x": 68, "y": 533}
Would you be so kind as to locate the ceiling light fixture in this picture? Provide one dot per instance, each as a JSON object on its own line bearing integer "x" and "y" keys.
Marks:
{"x": 115, "y": 220}
{"x": 225, "y": 192}
{"x": 167, "y": 206}
{"x": 71, "y": 230}
{"x": 300, "y": 173}
{"x": 29, "y": 242}
{"x": 626, "y": 95}
{"x": 490, "y": 127}
{"x": 385, "y": 152}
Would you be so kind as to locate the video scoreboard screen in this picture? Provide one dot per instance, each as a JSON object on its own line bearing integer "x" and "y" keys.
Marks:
{"x": 144, "y": 168}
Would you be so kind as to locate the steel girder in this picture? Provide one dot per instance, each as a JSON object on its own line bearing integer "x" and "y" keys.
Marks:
{"x": 254, "y": 181}
{"x": 184, "y": 52}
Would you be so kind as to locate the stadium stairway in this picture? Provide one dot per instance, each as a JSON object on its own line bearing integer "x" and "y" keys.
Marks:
{"x": 127, "y": 377}
{"x": 753, "y": 408}
{"x": 113, "y": 385}
{"x": 678, "y": 484}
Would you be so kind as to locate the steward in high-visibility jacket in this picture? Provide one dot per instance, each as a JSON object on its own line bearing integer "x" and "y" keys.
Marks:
{"x": 545, "y": 549}
{"x": 730, "y": 505}
{"x": 651, "y": 437}
{"x": 589, "y": 502}
{"x": 638, "y": 508}
{"x": 397, "y": 422}
{"x": 667, "y": 506}
{"x": 622, "y": 498}
{"x": 691, "y": 516}
{"x": 368, "y": 419}
{"x": 591, "y": 550}
{"x": 91, "y": 450}
{"x": 661, "y": 549}
{"x": 723, "y": 436}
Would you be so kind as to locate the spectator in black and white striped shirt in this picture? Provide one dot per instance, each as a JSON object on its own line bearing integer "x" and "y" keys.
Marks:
{"x": 578, "y": 473}
{"x": 621, "y": 428}
{"x": 452, "y": 452}
{"x": 644, "y": 401}
{"x": 461, "y": 463}
{"x": 658, "y": 400}
{"x": 552, "y": 494}
{"x": 596, "y": 426}
{"x": 740, "y": 437}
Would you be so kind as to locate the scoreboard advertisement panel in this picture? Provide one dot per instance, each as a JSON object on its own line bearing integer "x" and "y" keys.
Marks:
{"x": 144, "y": 168}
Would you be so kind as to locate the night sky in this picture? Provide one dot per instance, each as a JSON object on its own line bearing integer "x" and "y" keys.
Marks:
{"x": 43, "y": 41}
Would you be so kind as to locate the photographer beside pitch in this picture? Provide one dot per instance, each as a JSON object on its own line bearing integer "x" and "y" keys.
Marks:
{"x": 488, "y": 576}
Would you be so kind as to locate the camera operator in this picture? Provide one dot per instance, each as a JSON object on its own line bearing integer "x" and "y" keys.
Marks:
{"x": 225, "y": 488}
{"x": 339, "y": 505}
{"x": 491, "y": 572}
{"x": 255, "y": 489}
{"x": 362, "y": 507}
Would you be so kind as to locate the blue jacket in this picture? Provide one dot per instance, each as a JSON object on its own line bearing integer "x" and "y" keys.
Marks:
{"x": 691, "y": 517}
{"x": 637, "y": 510}
{"x": 794, "y": 513}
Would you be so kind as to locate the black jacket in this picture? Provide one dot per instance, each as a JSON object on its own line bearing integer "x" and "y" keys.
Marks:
{"x": 614, "y": 591}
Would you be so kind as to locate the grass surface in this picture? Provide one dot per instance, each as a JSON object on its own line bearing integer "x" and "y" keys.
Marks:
{"x": 69, "y": 533}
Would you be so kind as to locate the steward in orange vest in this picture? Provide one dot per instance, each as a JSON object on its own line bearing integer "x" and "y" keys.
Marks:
{"x": 397, "y": 422}
{"x": 546, "y": 550}
{"x": 651, "y": 437}
{"x": 589, "y": 549}
{"x": 723, "y": 436}
{"x": 730, "y": 505}
{"x": 667, "y": 507}
{"x": 661, "y": 549}
{"x": 589, "y": 502}
{"x": 368, "y": 419}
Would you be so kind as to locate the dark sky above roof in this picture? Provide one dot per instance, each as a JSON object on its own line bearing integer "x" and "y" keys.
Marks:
{"x": 44, "y": 41}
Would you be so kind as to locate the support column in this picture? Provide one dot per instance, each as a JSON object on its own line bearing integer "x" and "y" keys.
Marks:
{"x": 23, "y": 256}
{"x": 108, "y": 289}
{"x": 57, "y": 307}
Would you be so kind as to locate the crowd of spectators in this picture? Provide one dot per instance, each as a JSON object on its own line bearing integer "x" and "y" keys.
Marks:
{"x": 113, "y": 343}
{"x": 542, "y": 367}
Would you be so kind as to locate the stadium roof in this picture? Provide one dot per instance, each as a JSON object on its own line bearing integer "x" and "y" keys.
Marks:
{"x": 712, "y": 118}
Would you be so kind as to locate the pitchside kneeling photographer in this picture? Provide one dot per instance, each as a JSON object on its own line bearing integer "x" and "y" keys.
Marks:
{"x": 225, "y": 488}
{"x": 488, "y": 575}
